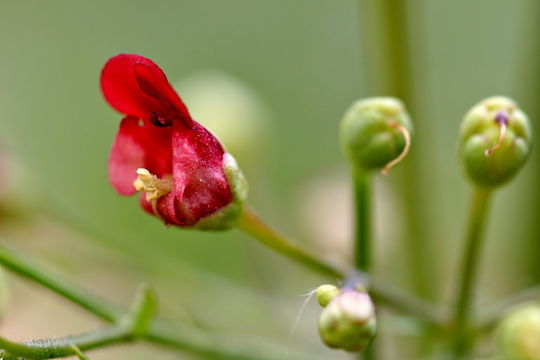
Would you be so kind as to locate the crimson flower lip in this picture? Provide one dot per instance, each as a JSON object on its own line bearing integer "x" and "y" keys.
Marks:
{"x": 183, "y": 172}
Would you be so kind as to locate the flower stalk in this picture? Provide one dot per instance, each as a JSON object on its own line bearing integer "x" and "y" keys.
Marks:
{"x": 254, "y": 226}
{"x": 362, "y": 202}
{"x": 462, "y": 312}
{"x": 362, "y": 242}
{"x": 251, "y": 224}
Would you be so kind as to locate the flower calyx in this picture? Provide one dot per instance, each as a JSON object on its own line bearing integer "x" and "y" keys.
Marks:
{"x": 376, "y": 133}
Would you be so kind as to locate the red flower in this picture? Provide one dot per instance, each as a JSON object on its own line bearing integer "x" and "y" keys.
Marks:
{"x": 185, "y": 175}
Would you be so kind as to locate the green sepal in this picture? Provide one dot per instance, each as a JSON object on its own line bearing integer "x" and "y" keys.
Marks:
{"x": 480, "y": 131}
{"x": 368, "y": 134}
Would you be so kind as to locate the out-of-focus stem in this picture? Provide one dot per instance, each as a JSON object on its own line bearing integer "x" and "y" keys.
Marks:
{"x": 386, "y": 45}
{"x": 63, "y": 347}
{"x": 175, "y": 336}
{"x": 477, "y": 218}
{"x": 490, "y": 314}
{"x": 362, "y": 201}
{"x": 362, "y": 231}
{"x": 254, "y": 226}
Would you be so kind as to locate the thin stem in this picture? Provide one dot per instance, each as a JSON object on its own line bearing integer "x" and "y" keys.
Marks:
{"x": 362, "y": 241}
{"x": 79, "y": 353}
{"x": 255, "y": 227}
{"x": 250, "y": 223}
{"x": 180, "y": 337}
{"x": 62, "y": 347}
{"x": 463, "y": 304}
{"x": 177, "y": 336}
{"x": 361, "y": 183}
{"x": 491, "y": 314}
{"x": 97, "y": 306}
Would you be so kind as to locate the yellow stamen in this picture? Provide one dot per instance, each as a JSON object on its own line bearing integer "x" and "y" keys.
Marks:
{"x": 403, "y": 130}
{"x": 153, "y": 186}
{"x": 502, "y": 133}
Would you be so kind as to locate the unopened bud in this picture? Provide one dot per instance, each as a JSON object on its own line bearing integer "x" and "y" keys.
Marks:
{"x": 495, "y": 141}
{"x": 325, "y": 293}
{"x": 519, "y": 333}
{"x": 348, "y": 321}
{"x": 376, "y": 133}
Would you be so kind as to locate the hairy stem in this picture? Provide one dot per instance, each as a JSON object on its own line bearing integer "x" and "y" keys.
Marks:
{"x": 477, "y": 219}
{"x": 175, "y": 336}
{"x": 63, "y": 347}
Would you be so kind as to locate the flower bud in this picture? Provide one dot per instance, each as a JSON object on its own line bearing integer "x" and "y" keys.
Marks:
{"x": 375, "y": 133}
{"x": 325, "y": 293}
{"x": 348, "y": 321}
{"x": 519, "y": 333}
{"x": 495, "y": 141}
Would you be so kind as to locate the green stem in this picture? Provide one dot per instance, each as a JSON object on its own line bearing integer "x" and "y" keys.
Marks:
{"x": 362, "y": 252}
{"x": 251, "y": 224}
{"x": 97, "y": 306}
{"x": 477, "y": 219}
{"x": 79, "y": 353}
{"x": 63, "y": 347}
{"x": 362, "y": 234}
{"x": 254, "y": 226}
{"x": 490, "y": 315}
{"x": 179, "y": 337}
{"x": 174, "y": 336}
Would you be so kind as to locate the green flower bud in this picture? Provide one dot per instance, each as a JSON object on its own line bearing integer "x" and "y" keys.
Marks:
{"x": 376, "y": 133}
{"x": 495, "y": 141}
{"x": 348, "y": 321}
{"x": 325, "y": 293}
{"x": 519, "y": 333}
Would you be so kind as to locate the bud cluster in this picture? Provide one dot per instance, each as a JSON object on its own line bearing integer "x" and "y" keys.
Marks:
{"x": 348, "y": 320}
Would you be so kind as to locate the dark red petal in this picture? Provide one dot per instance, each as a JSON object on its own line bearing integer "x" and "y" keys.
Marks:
{"x": 136, "y": 86}
{"x": 164, "y": 208}
{"x": 137, "y": 146}
{"x": 200, "y": 185}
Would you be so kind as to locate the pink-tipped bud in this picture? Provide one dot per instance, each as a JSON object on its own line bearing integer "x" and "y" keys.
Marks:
{"x": 348, "y": 322}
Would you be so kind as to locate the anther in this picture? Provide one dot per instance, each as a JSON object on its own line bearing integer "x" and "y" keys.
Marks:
{"x": 153, "y": 186}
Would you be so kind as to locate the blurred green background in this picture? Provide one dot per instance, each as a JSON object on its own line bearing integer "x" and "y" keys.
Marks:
{"x": 299, "y": 64}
